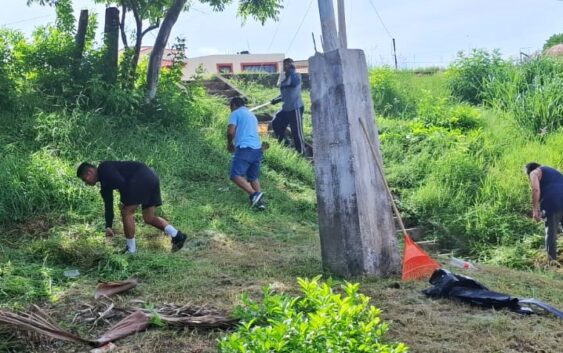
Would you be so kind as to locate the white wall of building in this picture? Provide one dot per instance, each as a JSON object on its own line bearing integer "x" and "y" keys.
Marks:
{"x": 211, "y": 63}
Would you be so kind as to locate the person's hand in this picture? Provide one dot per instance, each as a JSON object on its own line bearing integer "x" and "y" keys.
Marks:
{"x": 536, "y": 213}
{"x": 231, "y": 148}
{"x": 276, "y": 100}
{"x": 109, "y": 232}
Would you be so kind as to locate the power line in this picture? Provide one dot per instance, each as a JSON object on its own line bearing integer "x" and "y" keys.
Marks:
{"x": 380, "y": 19}
{"x": 275, "y": 33}
{"x": 301, "y": 24}
{"x": 27, "y": 20}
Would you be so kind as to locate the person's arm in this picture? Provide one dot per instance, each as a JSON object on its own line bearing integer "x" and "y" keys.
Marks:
{"x": 231, "y": 130}
{"x": 107, "y": 196}
{"x": 276, "y": 100}
{"x": 535, "y": 177}
{"x": 293, "y": 80}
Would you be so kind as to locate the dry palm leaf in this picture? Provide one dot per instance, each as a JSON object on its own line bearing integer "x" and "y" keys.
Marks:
{"x": 136, "y": 322}
{"x": 40, "y": 323}
{"x": 191, "y": 316}
{"x": 111, "y": 288}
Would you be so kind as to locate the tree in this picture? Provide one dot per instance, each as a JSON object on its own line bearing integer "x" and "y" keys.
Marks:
{"x": 150, "y": 11}
{"x": 163, "y": 14}
{"x": 553, "y": 40}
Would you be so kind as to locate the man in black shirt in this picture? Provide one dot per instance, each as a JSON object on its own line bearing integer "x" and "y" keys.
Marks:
{"x": 137, "y": 185}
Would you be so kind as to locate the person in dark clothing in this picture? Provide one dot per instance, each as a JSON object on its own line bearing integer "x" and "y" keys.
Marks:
{"x": 547, "y": 202}
{"x": 292, "y": 109}
{"x": 137, "y": 185}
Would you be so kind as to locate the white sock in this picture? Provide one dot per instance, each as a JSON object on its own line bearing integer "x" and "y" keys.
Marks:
{"x": 131, "y": 246}
{"x": 170, "y": 230}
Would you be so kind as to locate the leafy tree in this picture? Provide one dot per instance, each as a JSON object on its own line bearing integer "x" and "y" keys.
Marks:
{"x": 553, "y": 40}
{"x": 163, "y": 14}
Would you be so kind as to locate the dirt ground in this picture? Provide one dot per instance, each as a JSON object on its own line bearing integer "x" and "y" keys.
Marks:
{"x": 223, "y": 269}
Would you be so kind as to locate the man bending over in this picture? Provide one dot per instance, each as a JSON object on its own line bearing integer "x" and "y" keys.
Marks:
{"x": 137, "y": 185}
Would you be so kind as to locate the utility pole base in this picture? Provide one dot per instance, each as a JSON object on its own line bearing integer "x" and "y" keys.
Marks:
{"x": 355, "y": 216}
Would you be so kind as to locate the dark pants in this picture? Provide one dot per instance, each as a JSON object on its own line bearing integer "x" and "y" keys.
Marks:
{"x": 551, "y": 226}
{"x": 293, "y": 118}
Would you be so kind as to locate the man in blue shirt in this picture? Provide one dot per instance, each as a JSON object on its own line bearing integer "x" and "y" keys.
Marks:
{"x": 244, "y": 141}
{"x": 292, "y": 109}
{"x": 547, "y": 202}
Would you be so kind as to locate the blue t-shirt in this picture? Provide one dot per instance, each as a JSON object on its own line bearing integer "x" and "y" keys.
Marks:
{"x": 246, "y": 135}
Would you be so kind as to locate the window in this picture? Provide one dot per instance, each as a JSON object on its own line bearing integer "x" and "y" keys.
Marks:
{"x": 260, "y": 67}
{"x": 225, "y": 68}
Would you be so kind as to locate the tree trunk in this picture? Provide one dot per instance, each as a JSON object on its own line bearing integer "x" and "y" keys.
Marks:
{"x": 138, "y": 43}
{"x": 80, "y": 41}
{"x": 111, "y": 32}
{"x": 159, "y": 46}
{"x": 80, "y": 38}
{"x": 122, "y": 27}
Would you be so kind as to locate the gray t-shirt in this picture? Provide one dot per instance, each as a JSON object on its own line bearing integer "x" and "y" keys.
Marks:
{"x": 290, "y": 89}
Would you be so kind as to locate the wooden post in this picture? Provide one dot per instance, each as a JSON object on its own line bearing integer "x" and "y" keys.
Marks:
{"x": 342, "y": 25}
{"x": 395, "y": 54}
{"x": 111, "y": 37}
{"x": 80, "y": 38}
{"x": 328, "y": 25}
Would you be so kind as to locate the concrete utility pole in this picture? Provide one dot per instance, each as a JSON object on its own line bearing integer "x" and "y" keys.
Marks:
{"x": 342, "y": 25}
{"x": 328, "y": 25}
{"x": 355, "y": 218}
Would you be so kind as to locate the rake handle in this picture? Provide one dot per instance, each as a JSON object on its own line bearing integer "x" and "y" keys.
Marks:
{"x": 380, "y": 169}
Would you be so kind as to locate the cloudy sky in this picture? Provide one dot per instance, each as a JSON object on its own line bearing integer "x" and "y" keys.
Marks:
{"x": 428, "y": 32}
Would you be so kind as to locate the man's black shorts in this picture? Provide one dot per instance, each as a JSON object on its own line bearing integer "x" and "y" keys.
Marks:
{"x": 143, "y": 189}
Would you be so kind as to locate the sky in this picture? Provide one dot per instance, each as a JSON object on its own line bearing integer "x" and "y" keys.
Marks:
{"x": 427, "y": 32}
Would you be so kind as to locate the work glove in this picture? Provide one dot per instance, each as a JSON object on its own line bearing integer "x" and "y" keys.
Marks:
{"x": 276, "y": 100}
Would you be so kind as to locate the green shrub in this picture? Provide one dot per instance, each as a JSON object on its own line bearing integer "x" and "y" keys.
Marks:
{"x": 531, "y": 92}
{"x": 36, "y": 184}
{"x": 435, "y": 111}
{"x": 319, "y": 321}
{"x": 389, "y": 98}
{"x": 468, "y": 74}
{"x": 540, "y": 108}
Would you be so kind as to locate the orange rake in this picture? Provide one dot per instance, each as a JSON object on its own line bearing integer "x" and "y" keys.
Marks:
{"x": 417, "y": 264}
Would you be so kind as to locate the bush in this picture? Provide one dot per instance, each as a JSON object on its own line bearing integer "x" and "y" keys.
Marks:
{"x": 389, "y": 98}
{"x": 435, "y": 111}
{"x": 318, "y": 321}
{"x": 468, "y": 75}
{"x": 531, "y": 92}
{"x": 35, "y": 184}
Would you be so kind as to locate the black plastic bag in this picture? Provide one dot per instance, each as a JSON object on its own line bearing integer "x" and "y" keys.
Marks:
{"x": 446, "y": 284}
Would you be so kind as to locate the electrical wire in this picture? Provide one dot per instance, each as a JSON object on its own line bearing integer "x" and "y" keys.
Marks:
{"x": 27, "y": 20}
{"x": 380, "y": 19}
{"x": 301, "y": 24}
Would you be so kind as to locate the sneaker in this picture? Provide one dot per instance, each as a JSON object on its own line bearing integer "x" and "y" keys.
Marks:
{"x": 178, "y": 241}
{"x": 255, "y": 198}
{"x": 261, "y": 206}
{"x": 126, "y": 251}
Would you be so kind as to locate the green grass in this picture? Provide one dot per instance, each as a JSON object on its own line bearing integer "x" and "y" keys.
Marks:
{"x": 233, "y": 249}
